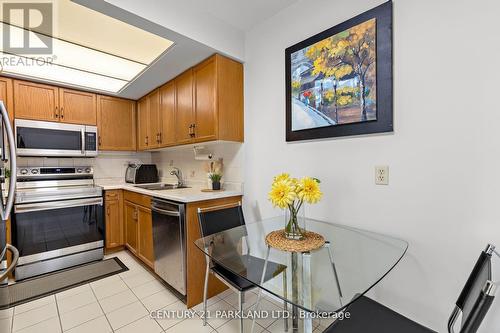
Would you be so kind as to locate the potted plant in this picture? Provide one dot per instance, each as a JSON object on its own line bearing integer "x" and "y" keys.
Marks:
{"x": 290, "y": 194}
{"x": 215, "y": 178}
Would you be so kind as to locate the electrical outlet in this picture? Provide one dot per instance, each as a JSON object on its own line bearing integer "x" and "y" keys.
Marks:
{"x": 171, "y": 163}
{"x": 193, "y": 174}
{"x": 382, "y": 175}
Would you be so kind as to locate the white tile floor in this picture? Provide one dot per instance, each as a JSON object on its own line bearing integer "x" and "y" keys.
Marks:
{"x": 122, "y": 304}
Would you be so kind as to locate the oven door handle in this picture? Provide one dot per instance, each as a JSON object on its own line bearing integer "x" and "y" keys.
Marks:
{"x": 34, "y": 207}
{"x": 165, "y": 212}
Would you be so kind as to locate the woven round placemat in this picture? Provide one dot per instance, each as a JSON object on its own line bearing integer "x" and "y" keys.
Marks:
{"x": 311, "y": 241}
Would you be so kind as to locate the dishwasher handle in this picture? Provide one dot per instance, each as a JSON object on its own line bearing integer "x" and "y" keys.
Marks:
{"x": 165, "y": 212}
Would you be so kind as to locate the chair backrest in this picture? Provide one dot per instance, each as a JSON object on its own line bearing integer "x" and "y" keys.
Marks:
{"x": 476, "y": 297}
{"x": 220, "y": 218}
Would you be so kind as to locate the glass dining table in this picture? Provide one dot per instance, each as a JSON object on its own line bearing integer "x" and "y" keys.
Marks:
{"x": 323, "y": 281}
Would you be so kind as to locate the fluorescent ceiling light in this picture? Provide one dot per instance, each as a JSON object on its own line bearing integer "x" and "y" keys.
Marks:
{"x": 22, "y": 66}
{"x": 89, "y": 50}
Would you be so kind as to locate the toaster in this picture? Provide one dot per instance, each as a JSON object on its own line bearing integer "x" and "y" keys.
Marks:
{"x": 141, "y": 173}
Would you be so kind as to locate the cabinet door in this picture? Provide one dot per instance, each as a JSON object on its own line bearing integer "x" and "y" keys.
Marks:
{"x": 36, "y": 101}
{"x": 77, "y": 107}
{"x": 184, "y": 118}
{"x": 146, "y": 251}
{"x": 143, "y": 123}
{"x": 205, "y": 101}
{"x": 114, "y": 221}
{"x": 6, "y": 96}
{"x": 167, "y": 114}
{"x": 154, "y": 119}
{"x": 131, "y": 218}
{"x": 116, "y": 123}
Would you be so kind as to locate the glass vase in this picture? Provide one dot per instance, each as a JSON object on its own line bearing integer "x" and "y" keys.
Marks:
{"x": 295, "y": 223}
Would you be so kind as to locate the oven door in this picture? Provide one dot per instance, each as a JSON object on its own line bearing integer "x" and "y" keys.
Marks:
{"x": 47, "y": 230}
{"x": 41, "y": 138}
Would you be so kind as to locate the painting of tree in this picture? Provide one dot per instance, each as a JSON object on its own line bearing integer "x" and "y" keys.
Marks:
{"x": 340, "y": 73}
{"x": 338, "y": 82}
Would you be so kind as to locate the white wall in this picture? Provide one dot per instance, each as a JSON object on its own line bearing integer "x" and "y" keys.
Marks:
{"x": 443, "y": 156}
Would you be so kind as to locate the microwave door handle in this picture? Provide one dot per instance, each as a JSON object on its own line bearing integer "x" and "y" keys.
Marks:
{"x": 82, "y": 131}
{"x": 5, "y": 211}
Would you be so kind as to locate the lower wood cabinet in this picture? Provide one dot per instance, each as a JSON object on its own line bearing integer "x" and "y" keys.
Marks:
{"x": 139, "y": 226}
{"x": 113, "y": 202}
{"x": 131, "y": 232}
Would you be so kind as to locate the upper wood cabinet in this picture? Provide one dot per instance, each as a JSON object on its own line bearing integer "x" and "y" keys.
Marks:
{"x": 167, "y": 114}
{"x": 184, "y": 113}
{"x": 36, "y": 101}
{"x": 116, "y": 123}
{"x": 205, "y": 108}
{"x": 143, "y": 123}
{"x": 7, "y": 96}
{"x": 77, "y": 107}
{"x": 213, "y": 108}
{"x": 43, "y": 102}
{"x": 154, "y": 119}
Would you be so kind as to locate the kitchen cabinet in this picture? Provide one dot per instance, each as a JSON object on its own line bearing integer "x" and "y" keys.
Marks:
{"x": 114, "y": 219}
{"x": 36, "y": 101}
{"x": 195, "y": 259}
{"x": 209, "y": 101}
{"x": 139, "y": 226}
{"x": 143, "y": 123}
{"x": 49, "y": 103}
{"x": 7, "y": 95}
{"x": 167, "y": 114}
{"x": 131, "y": 228}
{"x": 145, "y": 244}
{"x": 77, "y": 107}
{"x": 116, "y": 123}
{"x": 184, "y": 116}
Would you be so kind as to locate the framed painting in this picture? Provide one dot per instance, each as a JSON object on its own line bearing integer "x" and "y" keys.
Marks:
{"x": 339, "y": 82}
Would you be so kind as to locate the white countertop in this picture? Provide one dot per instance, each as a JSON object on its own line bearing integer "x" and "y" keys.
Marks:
{"x": 186, "y": 195}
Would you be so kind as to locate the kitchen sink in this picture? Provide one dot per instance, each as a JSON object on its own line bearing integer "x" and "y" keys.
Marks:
{"x": 160, "y": 187}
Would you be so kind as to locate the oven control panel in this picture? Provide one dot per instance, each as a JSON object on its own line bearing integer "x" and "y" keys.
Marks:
{"x": 55, "y": 172}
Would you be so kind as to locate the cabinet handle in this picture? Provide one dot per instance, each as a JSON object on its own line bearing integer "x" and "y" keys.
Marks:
{"x": 135, "y": 214}
{"x": 157, "y": 137}
{"x": 62, "y": 113}
{"x": 191, "y": 130}
{"x": 160, "y": 139}
{"x": 146, "y": 141}
{"x": 107, "y": 211}
{"x": 56, "y": 113}
{"x": 100, "y": 140}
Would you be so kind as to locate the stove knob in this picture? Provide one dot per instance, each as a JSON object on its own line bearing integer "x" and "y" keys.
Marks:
{"x": 88, "y": 170}
{"x": 79, "y": 170}
{"x": 23, "y": 171}
{"x": 34, "y": 171}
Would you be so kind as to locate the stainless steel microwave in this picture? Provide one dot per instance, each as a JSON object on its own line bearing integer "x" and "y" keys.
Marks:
{"x": 43, "y": 138}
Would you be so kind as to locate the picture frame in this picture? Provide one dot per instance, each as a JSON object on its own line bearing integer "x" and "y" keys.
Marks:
{"x": 339, "y": 81}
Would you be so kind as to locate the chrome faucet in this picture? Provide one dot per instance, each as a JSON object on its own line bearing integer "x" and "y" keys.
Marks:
{"x": 178, "y": 173}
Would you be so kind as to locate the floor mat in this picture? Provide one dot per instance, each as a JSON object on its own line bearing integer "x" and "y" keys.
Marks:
{"x": 49, "y": 284}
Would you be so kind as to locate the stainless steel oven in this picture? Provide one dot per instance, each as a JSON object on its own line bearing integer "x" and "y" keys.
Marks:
{"x": 42, "y": 138}
{"x": 58, "y": 219}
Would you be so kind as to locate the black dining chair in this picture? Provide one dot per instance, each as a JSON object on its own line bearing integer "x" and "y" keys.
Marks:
{"x": 368, "y": 316}
{"x": 217, "y": 219}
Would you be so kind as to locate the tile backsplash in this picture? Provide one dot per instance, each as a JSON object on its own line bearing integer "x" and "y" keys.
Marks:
{"x": 113, "y": 164}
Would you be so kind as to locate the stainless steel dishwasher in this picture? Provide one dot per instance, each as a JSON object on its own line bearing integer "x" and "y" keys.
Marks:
{"x": 169, "y": 241}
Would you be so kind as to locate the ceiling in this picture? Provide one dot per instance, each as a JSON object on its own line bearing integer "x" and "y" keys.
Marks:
{"x": 241, "y": 14}
{"x": 135, "y": 38}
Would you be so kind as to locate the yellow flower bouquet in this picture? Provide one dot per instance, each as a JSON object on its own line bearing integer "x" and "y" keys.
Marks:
{"x": 291, "y": 193}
